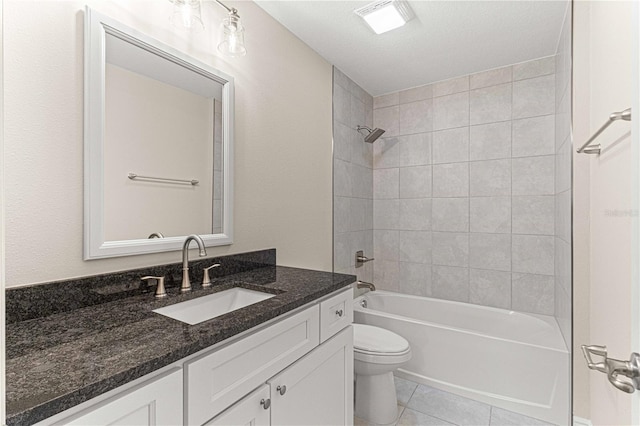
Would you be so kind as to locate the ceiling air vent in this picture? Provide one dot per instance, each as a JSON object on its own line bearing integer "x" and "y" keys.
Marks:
{"x": 385, "y": 15}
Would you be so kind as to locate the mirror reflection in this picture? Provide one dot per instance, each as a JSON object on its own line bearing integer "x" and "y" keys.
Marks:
{"x": 161, "y": 165}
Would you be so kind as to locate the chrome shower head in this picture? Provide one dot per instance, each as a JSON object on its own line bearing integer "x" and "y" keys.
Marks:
{"x": 372, "y": 135}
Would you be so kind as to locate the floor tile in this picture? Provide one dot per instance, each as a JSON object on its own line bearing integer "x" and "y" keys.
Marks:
{"x": 449, "y": 407}
{"x": 500, "y": 417}
{"x": 357, "y": 421}
{"x": 404, "y": 390}
{"x": 416, "y": 418}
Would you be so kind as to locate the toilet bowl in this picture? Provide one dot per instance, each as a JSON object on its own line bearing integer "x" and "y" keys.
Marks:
{"x": 377, "y": 353}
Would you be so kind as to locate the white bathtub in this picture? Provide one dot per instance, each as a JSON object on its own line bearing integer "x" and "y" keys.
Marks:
{"x": 508, "y": 359}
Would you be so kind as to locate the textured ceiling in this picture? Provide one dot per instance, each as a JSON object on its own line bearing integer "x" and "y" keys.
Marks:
{"x": 446, "y": 39}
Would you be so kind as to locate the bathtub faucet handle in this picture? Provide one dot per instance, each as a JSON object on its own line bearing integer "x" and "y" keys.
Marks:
{"x": 361, "y": 259}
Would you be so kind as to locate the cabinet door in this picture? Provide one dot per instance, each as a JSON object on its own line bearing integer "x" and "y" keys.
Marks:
{"x": 157, "y": 402}
{"x": 319, "y": 387}
{"x": 250, "y": 410}
{"x": 224, "y": 376}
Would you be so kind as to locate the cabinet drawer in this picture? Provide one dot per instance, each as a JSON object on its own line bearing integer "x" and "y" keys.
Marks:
{"x": 335, "y": 314}
{"x": 157, "y": 401}
{"x": 220, "y": 378}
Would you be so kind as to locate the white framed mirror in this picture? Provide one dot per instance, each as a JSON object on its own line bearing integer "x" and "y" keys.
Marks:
{"x": 158, "y": 145}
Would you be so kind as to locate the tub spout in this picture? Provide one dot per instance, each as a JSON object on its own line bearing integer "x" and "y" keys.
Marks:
{"x": 364, "y": 284}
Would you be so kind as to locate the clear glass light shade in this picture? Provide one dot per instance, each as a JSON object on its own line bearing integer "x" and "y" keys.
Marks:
{"x": 187, "y": 14}
{"x": 232, "y": 37}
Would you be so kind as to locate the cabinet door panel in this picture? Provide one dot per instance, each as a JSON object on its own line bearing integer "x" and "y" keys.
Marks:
{"x": 319, "y": 387}
{"x": 220, "y": 378}
{"x": 157, "y": 402}
{"x": 247, "y": 411}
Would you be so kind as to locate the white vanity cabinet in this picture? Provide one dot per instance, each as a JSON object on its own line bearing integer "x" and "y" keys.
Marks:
{"x": 254, "y": 410}
{"x": 281, "y": 374}
{"x": 154, "y": 402}
{"x": 315, "y": 390}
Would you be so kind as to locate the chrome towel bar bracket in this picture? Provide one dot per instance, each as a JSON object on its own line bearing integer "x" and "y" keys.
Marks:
{"x": 587, "y": 148}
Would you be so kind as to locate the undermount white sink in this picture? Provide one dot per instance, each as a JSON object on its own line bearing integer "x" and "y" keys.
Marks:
{"x": 207, "y": 307}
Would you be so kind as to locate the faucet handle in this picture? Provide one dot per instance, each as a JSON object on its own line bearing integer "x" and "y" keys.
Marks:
{"x": 160, "y": 290}
{"x": 206, "y": 281}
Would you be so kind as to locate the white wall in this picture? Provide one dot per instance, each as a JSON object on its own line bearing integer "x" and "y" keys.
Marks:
{"x": 581, "y": 207}
{"x": 2, "y": 221}
{"x": 604, "y": 36}
{"x": 283, "y": 153}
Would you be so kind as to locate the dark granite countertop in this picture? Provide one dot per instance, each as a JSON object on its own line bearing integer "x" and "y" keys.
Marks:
{"x": 63, "y": 359}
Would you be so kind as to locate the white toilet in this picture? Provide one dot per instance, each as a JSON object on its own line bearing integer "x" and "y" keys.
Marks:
{"x": 377, "y": 353}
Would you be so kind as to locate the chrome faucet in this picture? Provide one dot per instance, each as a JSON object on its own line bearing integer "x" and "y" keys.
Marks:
{"x": 364, "y": 284}
{"x": 186, "y": 284}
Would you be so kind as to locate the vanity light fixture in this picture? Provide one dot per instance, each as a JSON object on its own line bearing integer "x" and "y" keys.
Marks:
{"x": 385, "y": 15}
{"x": 231, "y": 33}
{"x": 187, "y": 14}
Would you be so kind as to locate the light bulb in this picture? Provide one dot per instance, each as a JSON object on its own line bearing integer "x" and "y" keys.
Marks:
{"x": 232, "y": 36}
{"x": 186, "y": 14}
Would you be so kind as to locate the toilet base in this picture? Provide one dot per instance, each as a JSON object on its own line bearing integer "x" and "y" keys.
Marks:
{"x": 376, "y": 399}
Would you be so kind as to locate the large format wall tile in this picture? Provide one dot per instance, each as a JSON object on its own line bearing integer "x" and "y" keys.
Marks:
{"x": 533, "y": 254}
{"x": 533, "y": 214}
{"x": 450, "y": 214}
{"x": 415, "y": 214}
{"x": 490, "y": 288}
{"x": 533, "y": 293}
{"x": 536, "y": 68}
{"x": 490, "y": 78}
{"x": 451, "y": 146}
{"x": 490, "y": 141}
{"x": 450, "y": 248}
{"x": 415, "y": 150}
{"x": 490, "y": 251}
{"x": 386, "y": 183}
{"x": 414, "y": 246}
{"x": 451, "y": 283}
{"x": 533, "y": 97}
{"x": 451, "y": 111}
{"x": 419, "y": 93}
{"x": 471, "y": 184}
{"x": 449, "y": 87}
{"x": 416, "y": 117}
{"x": 490, "y": 214}
{"x": 490, "y": 178}
{"x": 415, "y": 182}
{"x": 533, "y": 175}
{"x": 490, "y": 104}
{"x": 534, "y": 136}
{"x": 451, "y": 180}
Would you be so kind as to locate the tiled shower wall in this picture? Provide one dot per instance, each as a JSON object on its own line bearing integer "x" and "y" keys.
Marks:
{"x": 563, "y": 184}
{"x": 353, "y": 177}
{"x": 464, "y": 188}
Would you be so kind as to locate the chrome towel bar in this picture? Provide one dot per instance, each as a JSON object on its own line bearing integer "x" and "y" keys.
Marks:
{"x": 133, "y": 176}
{"x": 587, "y": 148}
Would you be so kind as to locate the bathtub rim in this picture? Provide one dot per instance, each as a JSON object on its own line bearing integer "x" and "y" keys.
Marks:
{"x": 558, "y": 344}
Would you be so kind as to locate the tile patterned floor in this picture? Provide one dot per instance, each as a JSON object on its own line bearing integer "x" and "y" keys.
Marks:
{"x": 421, "y": 405}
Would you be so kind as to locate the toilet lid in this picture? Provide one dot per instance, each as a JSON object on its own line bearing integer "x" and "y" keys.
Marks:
{"x": 375, "y": 339}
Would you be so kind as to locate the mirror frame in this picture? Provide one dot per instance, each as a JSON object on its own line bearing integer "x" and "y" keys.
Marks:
{"x": 97, "y": 26}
